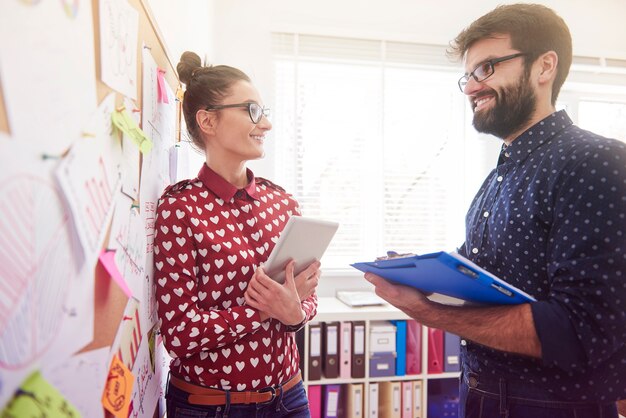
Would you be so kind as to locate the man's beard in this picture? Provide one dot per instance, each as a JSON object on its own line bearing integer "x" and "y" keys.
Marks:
{"x": 513, "y": 108}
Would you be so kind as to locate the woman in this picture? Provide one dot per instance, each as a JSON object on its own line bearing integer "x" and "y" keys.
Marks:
{"x": 228, "y": 326}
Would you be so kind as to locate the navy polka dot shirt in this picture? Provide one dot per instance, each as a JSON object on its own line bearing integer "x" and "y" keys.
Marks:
{"x": 551, "y": 219}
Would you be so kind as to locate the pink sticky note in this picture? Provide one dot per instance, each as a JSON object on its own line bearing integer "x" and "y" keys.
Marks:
{"x": 107, "y": 258}
{"x": 162, "y": 93}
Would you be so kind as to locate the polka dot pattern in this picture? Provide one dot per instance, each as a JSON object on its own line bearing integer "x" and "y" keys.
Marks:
{"x": 210, "y": 238}
{"x": 551, "y": 219}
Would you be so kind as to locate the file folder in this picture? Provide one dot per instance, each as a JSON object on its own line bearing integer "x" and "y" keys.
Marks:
{"x": 314, "y": 393}
{"x": 331, "y": 401}
{"x": 407, "y": 399}
{"x": 345, "y": 353}
{"x": 358, "y": 349}
{"x": 354, "y": 401}
{"x": 449, "y": 274}
{"x": 413, "y": 347}
{"x": 390, "y": 400}
{"x": 315, "y": 352}
{"x": 373, "y": 401}
{"x": 435, "y": 350}
{"x": 400, "y": 347}
{"x": 451, "y": 352}
{"x": 330, "y": 352}
{"x": 417, "y": 399}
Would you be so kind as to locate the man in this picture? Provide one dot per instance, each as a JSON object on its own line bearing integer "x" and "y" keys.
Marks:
{"x": 549, "y": 219}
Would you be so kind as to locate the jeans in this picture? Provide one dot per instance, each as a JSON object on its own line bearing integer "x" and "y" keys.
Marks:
{"x": 291, "y": 404}
{"x": 514, "y": 399}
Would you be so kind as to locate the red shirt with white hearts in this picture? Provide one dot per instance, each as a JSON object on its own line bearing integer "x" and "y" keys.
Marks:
{"x": 210, "y": 237}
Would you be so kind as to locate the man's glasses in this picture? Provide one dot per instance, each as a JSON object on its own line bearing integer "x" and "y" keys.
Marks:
{"x": 255, "y": 111}
{"x": 485, "y": 70}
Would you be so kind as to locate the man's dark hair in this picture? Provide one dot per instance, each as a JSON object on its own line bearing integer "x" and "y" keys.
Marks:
{"x": 534, "y": 29}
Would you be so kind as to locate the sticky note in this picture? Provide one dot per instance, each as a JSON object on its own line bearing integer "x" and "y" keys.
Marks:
{"x": 107, "y": 259}
{"x": 118, "y": 389}
{"x": 38, "y": 398}
{"x": 122, "y": 121}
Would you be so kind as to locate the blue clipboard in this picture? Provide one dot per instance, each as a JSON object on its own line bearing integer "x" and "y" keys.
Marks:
{"x": 449, "y": 274}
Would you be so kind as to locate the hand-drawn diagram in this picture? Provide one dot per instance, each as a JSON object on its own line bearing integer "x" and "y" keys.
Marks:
{"x": 36, "y": 267}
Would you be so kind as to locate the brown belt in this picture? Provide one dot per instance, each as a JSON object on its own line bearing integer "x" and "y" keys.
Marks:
{"x": 200, "y": 395}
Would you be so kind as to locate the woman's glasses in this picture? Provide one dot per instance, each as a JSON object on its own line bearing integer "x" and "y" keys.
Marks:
{"x": 255, "y": 111}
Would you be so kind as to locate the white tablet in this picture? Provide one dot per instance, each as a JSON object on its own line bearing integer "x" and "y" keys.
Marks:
{"x": 303, "y": 240}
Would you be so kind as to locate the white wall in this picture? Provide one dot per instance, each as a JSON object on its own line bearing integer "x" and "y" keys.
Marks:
{"x": 185, "y": 26}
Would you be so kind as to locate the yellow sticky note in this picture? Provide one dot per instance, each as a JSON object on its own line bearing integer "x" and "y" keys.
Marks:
{"x": 122, "y": 121}
{"x": 118, "y": 389}
{"x": 38, "y": 398}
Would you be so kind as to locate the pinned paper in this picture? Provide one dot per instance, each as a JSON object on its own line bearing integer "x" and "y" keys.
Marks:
{"x": 38, "y": 398}
{"x": 162, "y": 93}
{"x": 107, "y": 259}
{"x": 119, "y": 387}
{"x": 125, "y": 123}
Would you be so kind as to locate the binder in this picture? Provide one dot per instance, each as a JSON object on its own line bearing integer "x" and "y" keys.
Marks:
{"x": 413, "y": 347}
{"x": 417, "y": 399}
{"x": 400, "y": 347}
{"x": 331, "y": 401}
{"x": 451, "y": 351}
{"x": 314, "y": 393}
{"x": 358, "y": 349}
{"x": 354, "y": 401}
{"x": 315, "y": 352}
{"x": 435, "y": 350}
{"x": 449, "y": 274}
{"x": 330, "y": 349}
{"x": 407, "y": 399}
{"x": 390, "y": 400}
{"x": 373, "y": 401}
{"x": 345, "y": 353}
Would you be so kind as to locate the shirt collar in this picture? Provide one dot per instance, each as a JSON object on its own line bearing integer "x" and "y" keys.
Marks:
{"x": 222, "y": 188}
{"x": 535, "y": 136}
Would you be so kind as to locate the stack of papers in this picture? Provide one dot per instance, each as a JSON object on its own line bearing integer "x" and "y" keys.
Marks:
{"x": 357, "y": 298}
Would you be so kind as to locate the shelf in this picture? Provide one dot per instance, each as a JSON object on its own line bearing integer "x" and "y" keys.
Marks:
{"x": 332, "y": 309}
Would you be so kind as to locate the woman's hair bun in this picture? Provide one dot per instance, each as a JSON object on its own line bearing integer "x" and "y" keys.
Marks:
{"x": 189, "y": 62}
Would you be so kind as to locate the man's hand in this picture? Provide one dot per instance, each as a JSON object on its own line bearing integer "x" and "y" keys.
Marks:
{"x": 408, "y": 299}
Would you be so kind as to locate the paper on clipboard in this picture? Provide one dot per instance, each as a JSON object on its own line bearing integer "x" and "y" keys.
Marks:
{"x": 449, "y": 274}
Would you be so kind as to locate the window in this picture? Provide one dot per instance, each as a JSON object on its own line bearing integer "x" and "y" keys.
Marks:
{"x": 368, "y": 141}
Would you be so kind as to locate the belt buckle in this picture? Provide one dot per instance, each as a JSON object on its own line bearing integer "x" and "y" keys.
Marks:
{"x": 270, "y": 389}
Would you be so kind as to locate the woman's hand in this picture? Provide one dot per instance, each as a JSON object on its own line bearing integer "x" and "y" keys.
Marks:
{"x": 275, "y": 300}
{"x": 306, "y": 281}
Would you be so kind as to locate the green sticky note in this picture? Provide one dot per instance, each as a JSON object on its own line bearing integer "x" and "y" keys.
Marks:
{"x": 126, "y": 124}
{"x": 38, "y": 398}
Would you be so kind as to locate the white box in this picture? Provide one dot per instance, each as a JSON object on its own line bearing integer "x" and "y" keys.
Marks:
{"x": 382, "y": 337}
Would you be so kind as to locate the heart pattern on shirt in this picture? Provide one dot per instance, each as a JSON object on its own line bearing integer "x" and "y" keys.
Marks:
{"x": 205, "y": 253}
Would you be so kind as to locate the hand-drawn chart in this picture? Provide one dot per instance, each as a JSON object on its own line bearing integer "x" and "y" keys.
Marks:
{"x": 36, "y": 267}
